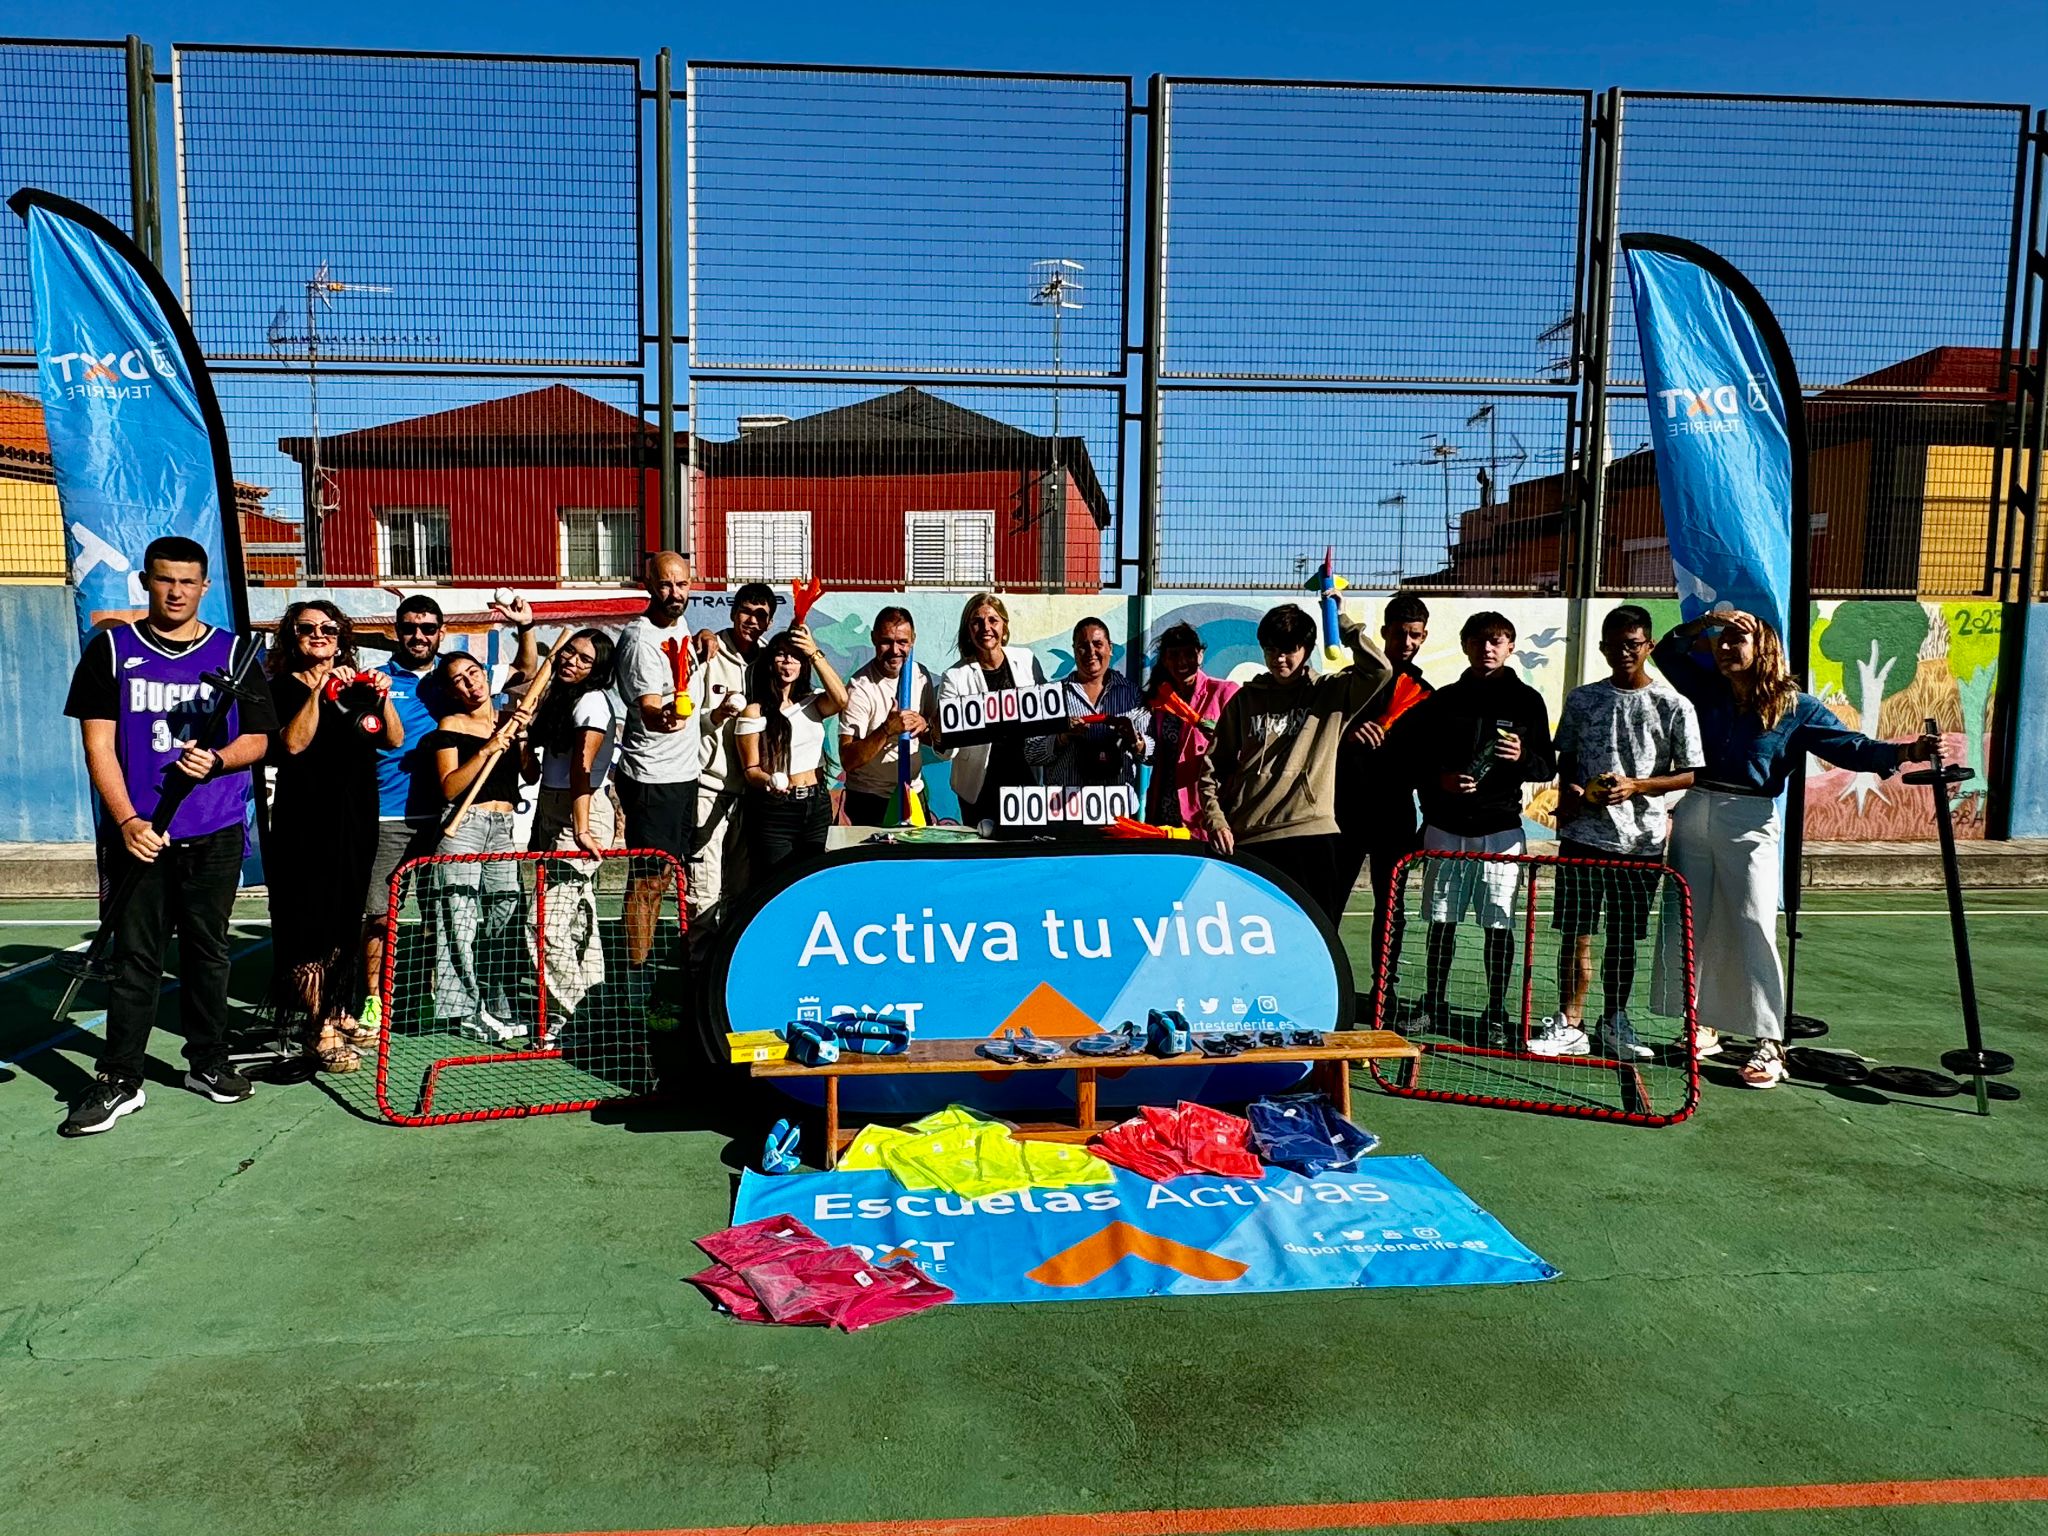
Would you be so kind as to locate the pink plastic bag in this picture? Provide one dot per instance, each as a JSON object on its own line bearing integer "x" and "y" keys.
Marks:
{"x": 768, "y": 1238}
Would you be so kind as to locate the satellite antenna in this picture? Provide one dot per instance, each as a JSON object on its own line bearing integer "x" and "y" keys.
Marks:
{"x": 320, "y": 500}
{"x": 1058, "y": 291}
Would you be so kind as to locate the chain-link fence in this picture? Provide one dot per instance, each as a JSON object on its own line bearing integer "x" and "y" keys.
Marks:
{"x": 63, "y": 127}
{"x": 907, "y": 229}
{"x": 1321, "y": 247}
{"x": 1886, "y": 238}
{"x": 927, "y": 318}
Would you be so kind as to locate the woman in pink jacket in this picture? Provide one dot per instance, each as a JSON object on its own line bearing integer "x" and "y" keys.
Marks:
{"x": 1172, "y": 798}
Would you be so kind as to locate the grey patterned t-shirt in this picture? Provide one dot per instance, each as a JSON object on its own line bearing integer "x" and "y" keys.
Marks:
{"x": 1640, "y": 733}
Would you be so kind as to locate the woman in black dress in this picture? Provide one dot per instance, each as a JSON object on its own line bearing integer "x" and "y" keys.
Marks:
{"x": 323, "y": 822}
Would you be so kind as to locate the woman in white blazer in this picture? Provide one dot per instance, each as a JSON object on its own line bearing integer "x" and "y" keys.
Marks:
{"x": 989, "y": 663}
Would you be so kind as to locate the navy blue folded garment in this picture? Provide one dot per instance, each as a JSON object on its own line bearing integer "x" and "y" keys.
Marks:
{"x": 869, "y": 1035}
{"x": 1302, "y": 1132}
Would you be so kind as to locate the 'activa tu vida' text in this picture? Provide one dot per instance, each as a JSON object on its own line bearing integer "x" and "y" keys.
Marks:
{"x": 925, "y": 941}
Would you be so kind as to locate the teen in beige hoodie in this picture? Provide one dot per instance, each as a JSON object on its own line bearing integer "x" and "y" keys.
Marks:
{"x": 1271, "y": 780}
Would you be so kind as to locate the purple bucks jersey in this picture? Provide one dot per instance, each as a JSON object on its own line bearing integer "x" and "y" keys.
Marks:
{"x": 163, "y": 706}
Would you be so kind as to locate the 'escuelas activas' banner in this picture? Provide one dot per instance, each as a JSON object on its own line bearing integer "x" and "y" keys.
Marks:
{"x": 1392, "y": 1221}
{"x": 1726, "y": 427}
{"x": 136, "y": 437}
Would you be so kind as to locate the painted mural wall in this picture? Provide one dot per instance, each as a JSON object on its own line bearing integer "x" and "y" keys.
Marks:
{"x": 1894, "y": 662}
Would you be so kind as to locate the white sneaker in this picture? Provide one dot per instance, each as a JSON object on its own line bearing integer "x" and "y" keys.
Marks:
{"x": 488, "y": 1029}
{"x": 1766, "y": 1069}
{"x": 1558, "y": 1036}
{"x": 1706, "y": 1042}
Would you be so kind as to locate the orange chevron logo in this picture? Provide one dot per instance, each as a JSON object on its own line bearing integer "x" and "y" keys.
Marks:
{"x": 1100, "y": 1252}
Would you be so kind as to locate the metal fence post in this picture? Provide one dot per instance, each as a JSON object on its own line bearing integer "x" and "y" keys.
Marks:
{"x": 144, "y": 216}
{"x": 2023, "y": 495}
{"x": 1153, "y": 341}
{"x": 672, "y": 532}
{"x": 1590, "y": 512}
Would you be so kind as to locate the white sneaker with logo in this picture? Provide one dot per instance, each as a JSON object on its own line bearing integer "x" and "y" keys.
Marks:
{"x": 1557, "y": 1035}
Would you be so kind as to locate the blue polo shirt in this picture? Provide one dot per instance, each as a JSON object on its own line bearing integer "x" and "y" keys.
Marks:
{"x": 400, "y": 795}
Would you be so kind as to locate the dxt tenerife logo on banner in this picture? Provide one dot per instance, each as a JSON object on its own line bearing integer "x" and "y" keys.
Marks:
{"x": 90, "y": 374}
{"x": 1713, "y": 407}
{"x": 962, "y": 946}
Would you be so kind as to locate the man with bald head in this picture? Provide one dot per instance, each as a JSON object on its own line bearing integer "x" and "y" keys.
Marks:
{"x": 660, "y": 758}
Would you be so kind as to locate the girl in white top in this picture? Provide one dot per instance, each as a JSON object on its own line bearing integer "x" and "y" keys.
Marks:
{"x": 577, "y": 733}
{"x": 782, "y": 746}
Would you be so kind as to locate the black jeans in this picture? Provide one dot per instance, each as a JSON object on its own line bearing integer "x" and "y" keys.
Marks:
{"x": 866, "y": 810}
{"x": 781, "y": 828}
{"x": 189, "y": 891}
{"x": 1311, "y": 862}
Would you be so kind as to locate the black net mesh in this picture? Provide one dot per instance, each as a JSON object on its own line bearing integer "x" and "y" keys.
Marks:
{"x": 519, "y": 984}
{"x": 1549, "y": 984}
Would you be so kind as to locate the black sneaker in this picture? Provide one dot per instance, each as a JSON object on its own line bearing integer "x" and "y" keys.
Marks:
{"x": 1493, "y": 1029}
{"x": 107, "y": 1100}
{"x": 222, "y": 1084}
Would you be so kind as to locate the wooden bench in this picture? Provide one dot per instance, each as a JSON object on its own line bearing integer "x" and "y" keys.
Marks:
{"x": 1332, "y": 1062}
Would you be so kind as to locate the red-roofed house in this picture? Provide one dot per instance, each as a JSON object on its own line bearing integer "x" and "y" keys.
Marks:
{"x": 32, "y": 524}
{"x": 1900, "y": 474}
{"x": 555, "y": 486}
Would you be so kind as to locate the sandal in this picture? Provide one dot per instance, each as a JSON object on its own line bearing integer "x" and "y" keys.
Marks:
{"x": 1122, "y": 1041}
{"x": 1766, "y": 1069}
{"x": 1000, "y": 1049}
{"x": 338, "y": 1057}
{"x": 1031, "y": 1048}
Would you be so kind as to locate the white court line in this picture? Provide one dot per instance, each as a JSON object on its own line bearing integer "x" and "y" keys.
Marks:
{"x": 28, "y": 966}
{"x": 1806, "y": 912}
{"x": 94, "y": 1021}
{"x": 93, "y": 922}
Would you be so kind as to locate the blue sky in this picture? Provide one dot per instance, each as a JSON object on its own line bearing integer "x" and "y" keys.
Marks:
{"x": 1966, "y": 50}
{"x": 1381, "y": 240}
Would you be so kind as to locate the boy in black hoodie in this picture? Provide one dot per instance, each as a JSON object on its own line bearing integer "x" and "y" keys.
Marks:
{"x": 1471, "y": 747}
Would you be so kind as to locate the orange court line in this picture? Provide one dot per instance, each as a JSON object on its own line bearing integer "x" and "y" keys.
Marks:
{"x": 1280, "y": 1518}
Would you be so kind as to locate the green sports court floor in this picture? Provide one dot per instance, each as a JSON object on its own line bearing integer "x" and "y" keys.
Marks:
{"x": 1801, "y": 1310}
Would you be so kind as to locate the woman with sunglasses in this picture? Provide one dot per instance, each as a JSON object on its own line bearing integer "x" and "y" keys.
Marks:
{"x": 484, "y": 986}
{"x": 323, "y": 820}
{"x": 570, "y": 747}
{"x": 1754, "y": 726}
{"x": 782, "y": 747}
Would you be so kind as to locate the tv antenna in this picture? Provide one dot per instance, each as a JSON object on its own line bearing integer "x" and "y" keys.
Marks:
{"x": 1399, "y": 502}
{"x": 1560, "y": 339}
{"x": 320, "y": 498}
{"x": 1440, "y": 452}
{"x": 1058, "y": 290}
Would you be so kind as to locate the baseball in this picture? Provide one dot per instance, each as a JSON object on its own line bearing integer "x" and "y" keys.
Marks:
{"x": 504, "y": 597}
{"x": 779, "y": 780}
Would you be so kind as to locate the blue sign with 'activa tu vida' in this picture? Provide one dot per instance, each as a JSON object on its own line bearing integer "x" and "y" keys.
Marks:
{"x": 961, "y": 943}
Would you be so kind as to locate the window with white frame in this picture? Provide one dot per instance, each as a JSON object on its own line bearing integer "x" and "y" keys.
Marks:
{"x": 412, "y": 543}
{"x": 599, "y": 543}
{"x": 949, "y": 549}
{"x": 767, "y": 546}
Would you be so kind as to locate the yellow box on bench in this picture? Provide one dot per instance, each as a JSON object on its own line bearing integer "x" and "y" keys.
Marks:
{"x": 756, "y": 1045}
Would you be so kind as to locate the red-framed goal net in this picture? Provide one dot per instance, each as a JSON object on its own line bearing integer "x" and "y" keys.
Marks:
{"x": 1562, "y": 986}
{"x": 526, "y": 983}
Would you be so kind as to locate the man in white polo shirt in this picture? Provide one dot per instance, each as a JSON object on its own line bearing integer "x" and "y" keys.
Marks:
{"x": 874, "y": 723}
